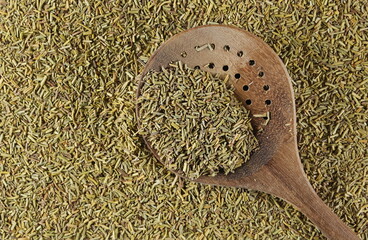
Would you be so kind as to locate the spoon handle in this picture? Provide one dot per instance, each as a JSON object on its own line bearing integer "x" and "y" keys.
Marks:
{"x": 283, "y": 176}
{"x": 322, "y": 216}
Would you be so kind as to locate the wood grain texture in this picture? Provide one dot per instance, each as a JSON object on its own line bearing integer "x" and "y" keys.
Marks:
{"x": 276, "y": 168}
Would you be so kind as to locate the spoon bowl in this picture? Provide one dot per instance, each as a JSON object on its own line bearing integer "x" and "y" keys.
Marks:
{"x": 263, "y": 85}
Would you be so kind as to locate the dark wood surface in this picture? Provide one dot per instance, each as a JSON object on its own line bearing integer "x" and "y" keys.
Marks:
{"x": 276, "y": 167}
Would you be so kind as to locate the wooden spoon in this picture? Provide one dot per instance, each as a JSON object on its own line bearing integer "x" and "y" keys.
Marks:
{"x": 262, "y": 83}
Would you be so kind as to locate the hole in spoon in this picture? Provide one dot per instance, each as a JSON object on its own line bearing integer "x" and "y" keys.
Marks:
{"x": 252, "y": 62}
{"x": 225, "y": 68}
{"x": 237, "y": 75}
{"x": 261, "y": 74}
{"x": 266, "y": 87}
{"x": 240, "y": 53}
{"x": 184, "y": 54}
{"x": 248, "y": 102}
{"x": 197, "y": 67}
{"x": 211, "y": 65}
{"x": 268, "y": 102}
{"x": 227, "y": 48}
{"x": 245, "y": 87}
{"x": 221, "y": 170}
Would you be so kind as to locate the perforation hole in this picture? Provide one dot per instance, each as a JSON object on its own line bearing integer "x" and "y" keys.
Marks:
{"x": 248, "y": 102}
{"x": 245, "y": 88}
{"x": 225, "y": 68}
{"x": 213, "y": 46}
{"x": 227, "y": 48}
{"x": 197, "y": 67}
{"x": 221, "y": 170}
{"x": 268, "y": 102}
{"x": 266, "y": 87}
{"x": 184, "y": 54}
{"x": 240, "y": 53}
{"x": 252, "y": 62}
{"x": 237, "y": 75}
{"x": 211, "y": 65}
{"x": 261, "y": 74}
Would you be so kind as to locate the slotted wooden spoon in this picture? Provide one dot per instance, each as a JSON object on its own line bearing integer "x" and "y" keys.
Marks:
{"x": 262, "y": 83}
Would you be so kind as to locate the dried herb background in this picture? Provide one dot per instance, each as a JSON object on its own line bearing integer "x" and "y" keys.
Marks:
{"x": 73, "y": 167}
